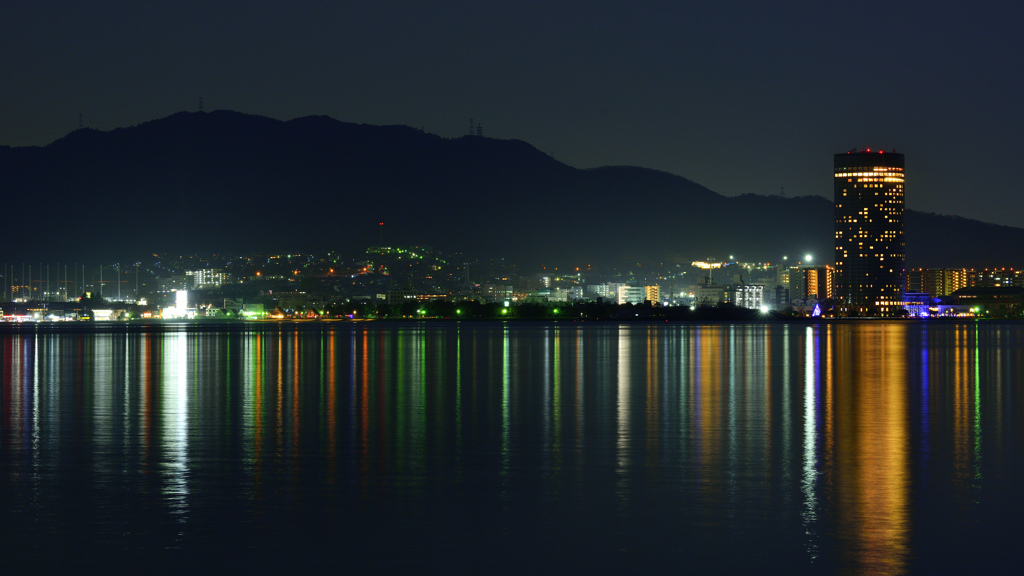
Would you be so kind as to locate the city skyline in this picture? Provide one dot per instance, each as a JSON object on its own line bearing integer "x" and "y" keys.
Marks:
{"x": 395, "y": 283}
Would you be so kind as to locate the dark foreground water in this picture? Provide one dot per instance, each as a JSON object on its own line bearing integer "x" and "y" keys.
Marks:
{"x": 867, "y": 447}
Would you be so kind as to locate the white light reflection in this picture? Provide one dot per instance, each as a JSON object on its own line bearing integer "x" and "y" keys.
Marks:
{"x": 18, "y": 368}
{"x": 174, "y": 392}
{"x": 810, "y": 473}
{"x": 103, "y": 396}
{"x": 126, "y": 408}
{"x": 787, "y": 431}
{"x": 36, "y": 458}
{"x": 622, "y": 432}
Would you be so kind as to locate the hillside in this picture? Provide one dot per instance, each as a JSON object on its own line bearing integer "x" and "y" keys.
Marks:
{"x": 226, "y": 181}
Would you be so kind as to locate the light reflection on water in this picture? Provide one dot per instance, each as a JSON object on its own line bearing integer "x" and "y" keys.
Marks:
{"x": 174, "y": 400}
{"x": 810, "y": 437}
{"x": 871, "y": 447}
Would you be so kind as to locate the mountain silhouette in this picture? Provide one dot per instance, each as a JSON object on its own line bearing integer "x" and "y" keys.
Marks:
{"x": 226, "y": 181}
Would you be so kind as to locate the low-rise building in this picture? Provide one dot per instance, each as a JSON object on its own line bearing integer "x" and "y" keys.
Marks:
{"x": 992, "y": 300}
{"x": 496, "y": 292}
{"x": 710, "y": 294}
{"x": 747, "y": 296}
{"x": 630, "y": 294}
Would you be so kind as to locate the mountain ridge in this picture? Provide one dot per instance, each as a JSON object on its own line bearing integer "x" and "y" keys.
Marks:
{"x": 228, "y": 181}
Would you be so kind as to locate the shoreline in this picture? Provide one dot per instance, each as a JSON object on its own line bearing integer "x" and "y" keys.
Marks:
{"x": 235, "y": 325}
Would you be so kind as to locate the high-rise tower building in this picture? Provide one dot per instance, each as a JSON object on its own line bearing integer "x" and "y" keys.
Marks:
{"x": 870, "y": 248}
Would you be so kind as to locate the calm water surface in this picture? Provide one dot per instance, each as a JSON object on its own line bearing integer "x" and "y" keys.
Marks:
{"x": 862, "y": 447}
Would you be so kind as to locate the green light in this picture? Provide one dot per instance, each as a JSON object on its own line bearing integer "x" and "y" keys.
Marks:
{"x": 556, "y": 310}
{"x": 504, "y": 311}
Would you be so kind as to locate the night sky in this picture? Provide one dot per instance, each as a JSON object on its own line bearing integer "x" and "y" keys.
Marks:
{"x": 742, "y": 97}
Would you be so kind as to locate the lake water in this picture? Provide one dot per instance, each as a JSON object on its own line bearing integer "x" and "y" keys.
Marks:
{"x": 848, "y": 447}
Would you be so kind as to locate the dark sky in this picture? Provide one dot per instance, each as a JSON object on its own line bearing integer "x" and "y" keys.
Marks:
{"x": 742, "y": 97}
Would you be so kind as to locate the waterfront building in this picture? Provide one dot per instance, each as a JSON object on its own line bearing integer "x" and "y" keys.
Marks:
{"x": 994, "y": 278}
{"x": 253, "y": 311}
{"x": 870, "y": 250}
{"x": 815, "y": 282}
{"x": 747, "y": 296}
{"x": 780, "y": 298}
{"x": 496, "y": 292}
{"x": 608, "y": 290}
{"x": 548, "y": 295}
{"x": 782, "y": 276}
{"x": 631, "y": 294}
{"x": 652, "y": 294}
{"x": 945, "y": 281}
{"x": 710, "y": 294}
{"x": 398, "y": 297}
{"x": 936, "y": 281}
{"x": 992, "y": 300}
